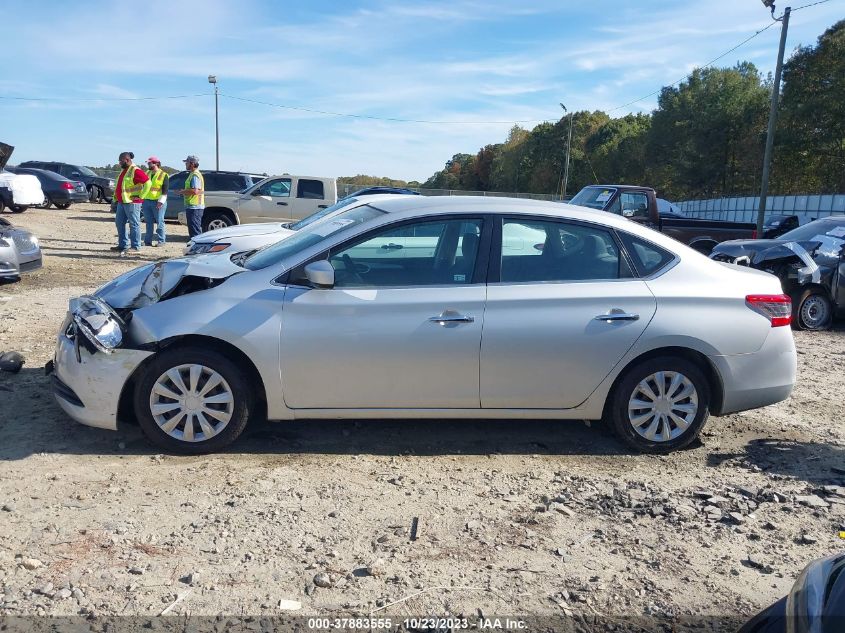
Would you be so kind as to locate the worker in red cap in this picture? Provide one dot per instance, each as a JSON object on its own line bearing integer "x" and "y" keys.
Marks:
{"x": 155, "y": 202}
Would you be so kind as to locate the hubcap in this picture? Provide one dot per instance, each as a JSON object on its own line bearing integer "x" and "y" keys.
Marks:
{"x": 217, "y": 224}
{"x": 663, "y": 406}
{"x": 191, "y": 403}
{"x": 814, "y": 311}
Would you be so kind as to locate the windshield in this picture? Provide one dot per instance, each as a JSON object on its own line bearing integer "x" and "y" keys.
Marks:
{"x": 86, "y": 172}
{"x": 296, "y": 226}
{"x": 310, "y": 235}
{"x": 813, "y": 230}
{"x": 593, "y": 197}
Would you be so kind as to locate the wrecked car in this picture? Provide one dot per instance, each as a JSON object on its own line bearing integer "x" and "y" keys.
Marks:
{"x": 17, "y": 191}
{"x": 377, "y": 312}
{"x": 19, "y": 251}
{"x": 810, "y": 263}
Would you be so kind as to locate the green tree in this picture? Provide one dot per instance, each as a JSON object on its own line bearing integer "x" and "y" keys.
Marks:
{"x": 810, "y": 150}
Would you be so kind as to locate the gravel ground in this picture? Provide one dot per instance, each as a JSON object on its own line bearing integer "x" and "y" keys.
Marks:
{"x": 513, "y": 517}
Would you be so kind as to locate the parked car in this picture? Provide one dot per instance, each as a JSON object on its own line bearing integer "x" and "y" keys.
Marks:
{"x": 776, "y": 225}
{"x": 810, "y": 263}
{"x": 248, "y": 237}
{"x": 230, "y": 181}
{"x": 58, "y": 190}
{"x": 18, "y": 192}
{"x": 19, "y": 251}
{"x": 815, "y": 604}
{"x": 606, "y": 319}
{"x": 278, "y": 198}
{"x": 99, "y": 188}
{"x": 640, "y": 205}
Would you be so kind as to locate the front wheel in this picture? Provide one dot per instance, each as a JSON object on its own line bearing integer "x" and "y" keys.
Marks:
{"x": 192, "y": 401}
{"x": 660, "y": 405}
{"x": 811, "y": 310}
{"x": 16, "y": 208}
{"x": 94, "y": 193}
{"x": 212, "y": 220}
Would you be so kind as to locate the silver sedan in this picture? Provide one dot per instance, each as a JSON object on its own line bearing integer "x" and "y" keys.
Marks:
{"x": 417, "y": 307}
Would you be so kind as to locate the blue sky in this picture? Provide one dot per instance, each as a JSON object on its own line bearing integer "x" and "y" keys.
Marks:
{"x": 479, "y": 64}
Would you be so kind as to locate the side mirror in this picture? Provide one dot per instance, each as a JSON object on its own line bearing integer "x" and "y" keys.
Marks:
{"x": 320, "y": 273}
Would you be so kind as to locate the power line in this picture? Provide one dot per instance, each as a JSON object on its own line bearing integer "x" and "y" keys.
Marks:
{"x": 89, "y": 99}
{"x": 370, "y": 117}
{"x": 710, "y": 63}
{"x": 807, "y": 6}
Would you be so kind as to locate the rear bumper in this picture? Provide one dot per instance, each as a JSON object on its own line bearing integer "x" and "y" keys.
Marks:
{"x": 760, "y": 378}
{"x": 63, "y": 195}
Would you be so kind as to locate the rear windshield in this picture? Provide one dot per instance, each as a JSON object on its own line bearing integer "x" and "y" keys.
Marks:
{"x": 311, "y": 235}
{"x": 593, "y": 197}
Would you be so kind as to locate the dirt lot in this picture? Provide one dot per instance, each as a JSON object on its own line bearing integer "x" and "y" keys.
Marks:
{"x": 514, "y": 517}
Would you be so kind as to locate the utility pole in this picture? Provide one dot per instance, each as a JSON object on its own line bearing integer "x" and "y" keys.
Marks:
{"x": 773, "y": 116}
{"x": 212, "y": 79}
{"x": 568, "y": 149}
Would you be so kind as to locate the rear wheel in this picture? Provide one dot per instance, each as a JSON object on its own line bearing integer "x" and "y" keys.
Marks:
{"x": 660, "y": 405}
{"x": 811, "y": 310}
{"x": 16, "y": 208}
{"x": 46, "y": 204}
{"x": 192, "y": 401}
{"x": 212, "y": 220}
{"x": 62, "y": 205}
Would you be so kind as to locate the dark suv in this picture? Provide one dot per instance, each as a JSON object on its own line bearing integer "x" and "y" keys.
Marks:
{"x": 214, "y": 181}
{"x": 100, "y": 188}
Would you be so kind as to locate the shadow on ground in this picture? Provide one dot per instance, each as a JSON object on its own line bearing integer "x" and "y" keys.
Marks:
{"x": 31, "y": 422}
{"x": 813, "y": 462}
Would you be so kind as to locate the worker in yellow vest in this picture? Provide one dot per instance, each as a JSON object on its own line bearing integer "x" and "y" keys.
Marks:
{"x": 194, "y": 194}
{"x": 131, "y": 187}
{"x": 155, "y": 202}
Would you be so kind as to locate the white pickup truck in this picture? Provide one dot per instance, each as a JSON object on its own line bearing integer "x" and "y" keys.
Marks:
{"x": 282, "y": 198}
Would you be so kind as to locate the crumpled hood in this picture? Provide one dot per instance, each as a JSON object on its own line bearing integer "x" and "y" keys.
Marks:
{"x": 759, "y": 251}
{"x": 153, "y": 282}
{"x": 244, "y": 230}
{"x": 5, "y": 154}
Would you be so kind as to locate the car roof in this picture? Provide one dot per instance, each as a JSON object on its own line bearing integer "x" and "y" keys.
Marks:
{"x": 37, "y": 172}
{"x": 424, "y": 205}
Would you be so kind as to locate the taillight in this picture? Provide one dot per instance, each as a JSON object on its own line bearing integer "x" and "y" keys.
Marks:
{"x": 68, "y": 185}
{"x": 754, "y": 234}
{"x": 776, "y": 308}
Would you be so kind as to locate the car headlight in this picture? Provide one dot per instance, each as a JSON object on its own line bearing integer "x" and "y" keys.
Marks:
{"x": 97, "y": 322}
{"x": 111, "y": 183}
{"x": 199, "y": 248}
{"x": 4, "y": 243}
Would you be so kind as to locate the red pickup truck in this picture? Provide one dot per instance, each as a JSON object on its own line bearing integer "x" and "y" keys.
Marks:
{"x": 640, "y": 205}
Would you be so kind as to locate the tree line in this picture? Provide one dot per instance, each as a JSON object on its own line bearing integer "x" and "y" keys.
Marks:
{"x": 705, "y": 139}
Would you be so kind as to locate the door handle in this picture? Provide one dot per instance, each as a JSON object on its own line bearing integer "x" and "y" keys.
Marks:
{"x": 445, "y": 319}
{"x": 322, "y": 206}
{"x": 391, "y": 247}
{"x": 617, "y": 316}
{"x": 282, "y": 204}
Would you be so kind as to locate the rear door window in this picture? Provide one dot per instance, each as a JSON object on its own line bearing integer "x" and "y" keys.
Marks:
{"x": 647, "y": 258}
{"x": 311, "y": 189}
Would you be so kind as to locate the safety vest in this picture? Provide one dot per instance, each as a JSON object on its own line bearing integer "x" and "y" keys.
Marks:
{"x": 195, "y": 200}
{"x": 156, "y": 181}
{"x": 129, "y": 190}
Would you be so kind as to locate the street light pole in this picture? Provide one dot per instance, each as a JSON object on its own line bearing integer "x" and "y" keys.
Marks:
{"x": 213, "y": 80}
{"x": 568, "y": 149}
{"x": 773, "y": 115}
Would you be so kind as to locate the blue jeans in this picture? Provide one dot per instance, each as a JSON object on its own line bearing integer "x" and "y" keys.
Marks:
{"x": 153, "y": 215}
{"x": 194, "y": 217}
{"x": 128, "y": 212}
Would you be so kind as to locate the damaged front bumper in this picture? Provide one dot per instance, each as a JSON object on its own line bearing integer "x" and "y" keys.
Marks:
{"x": 87, "y": 385}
